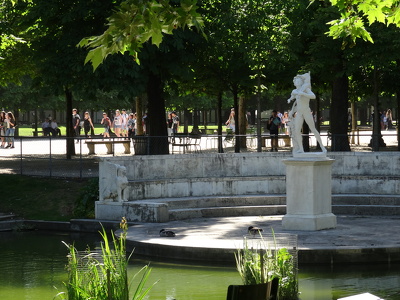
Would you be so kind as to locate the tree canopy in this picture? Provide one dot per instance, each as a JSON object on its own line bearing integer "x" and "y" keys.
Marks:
{"x": 357, "y": 15}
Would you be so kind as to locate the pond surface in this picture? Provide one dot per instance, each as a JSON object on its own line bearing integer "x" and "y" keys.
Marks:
{"x": 33, "y": 266}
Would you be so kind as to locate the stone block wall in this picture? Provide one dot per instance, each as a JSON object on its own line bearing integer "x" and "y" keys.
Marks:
{"x": 247, "y": 173}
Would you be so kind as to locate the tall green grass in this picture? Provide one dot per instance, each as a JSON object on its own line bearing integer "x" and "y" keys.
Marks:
{"x": 263, "y": 263}
{"x": 103, "y": 275}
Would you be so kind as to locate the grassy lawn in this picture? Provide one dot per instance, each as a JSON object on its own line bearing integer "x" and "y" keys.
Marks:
{"x": 26, "y": 130}
{"x": 37, "y": 198}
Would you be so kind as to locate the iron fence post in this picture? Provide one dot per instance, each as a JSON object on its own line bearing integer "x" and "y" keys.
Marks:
{"x": 50, "y": 161}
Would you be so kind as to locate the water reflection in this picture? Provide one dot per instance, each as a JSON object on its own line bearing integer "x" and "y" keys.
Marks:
{"x": 322, "y": 282}
{"x": 33, "y": 263}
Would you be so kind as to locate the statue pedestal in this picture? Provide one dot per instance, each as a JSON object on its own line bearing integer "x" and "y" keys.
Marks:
{"x": 308, "y": 193}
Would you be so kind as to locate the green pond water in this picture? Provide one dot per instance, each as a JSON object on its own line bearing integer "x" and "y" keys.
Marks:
{"x": 32, "y": 266}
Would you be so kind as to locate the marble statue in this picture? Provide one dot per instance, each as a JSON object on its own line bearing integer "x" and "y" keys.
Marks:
{"x": 301, "y": 112}
{"x": 113, "y": 183}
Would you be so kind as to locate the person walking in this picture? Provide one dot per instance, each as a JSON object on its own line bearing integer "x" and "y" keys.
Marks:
{"x": 3, "y": 128}
{"x": 124, "y": 125}
{"x": 175, "y": 123}
{"x": 10, "y": 129}
{"x": 131, "y": 125}
{"x": 274, "y": 123}
{"x": 117, "y": 123}
{"x": 106, "y": 122}
{"x": 231, "y": 120}
{"x": 87, "y": 124}
{"x": 76, "y": 123}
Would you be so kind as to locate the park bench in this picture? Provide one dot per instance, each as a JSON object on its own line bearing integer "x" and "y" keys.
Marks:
{"x": 185, "y": 141}
{"x": 109, "y": 144}
{"x": 37, "y": 132}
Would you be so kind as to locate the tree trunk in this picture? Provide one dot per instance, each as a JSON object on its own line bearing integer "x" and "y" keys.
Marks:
{"x": 242, "y": 122}
{"x": 259, "y": 129}
{"x": 139, "y": 116}
{"x": 376, "y": 139}
{"x": 236, "y": 107}
{"x": 318, "y": 114}
{"x": 196, "y": 121}
{"x": 339, "y": 110}
{"x": 397, "y": 119}
{"x": 156, "y": 117}
{"x": 353, "y": 122}
{"x": 70, "y": 129}
{"x": 219, "y": 122}
{"x": 16, "y": 116}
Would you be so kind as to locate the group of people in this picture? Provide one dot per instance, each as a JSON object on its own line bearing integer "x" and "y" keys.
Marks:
{"x": 123, "y": 124}
{"x": 173, "y": 123}
{"x": 85, "y": 123}
{"x": 7, "y": 129}
{"x": 50, "y": 127}
{"x": 386, "y": 120}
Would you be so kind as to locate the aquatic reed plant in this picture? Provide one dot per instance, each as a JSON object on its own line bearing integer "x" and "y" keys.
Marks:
{"x": 102, "y": 275}
{"x": 261, "y": 263}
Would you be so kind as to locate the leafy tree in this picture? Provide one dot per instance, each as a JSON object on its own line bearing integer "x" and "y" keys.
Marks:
{"x": 143, "y": 25}
{"x": 52, "y": 29}
{"x": 355, "y": 13}
{"x": 329, "y": 66}
{"x": 246, "y": 40}
{"x": 13, "y": 59}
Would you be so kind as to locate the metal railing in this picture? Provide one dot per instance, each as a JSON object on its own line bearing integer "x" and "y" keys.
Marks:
{"x": 47, "y": 156}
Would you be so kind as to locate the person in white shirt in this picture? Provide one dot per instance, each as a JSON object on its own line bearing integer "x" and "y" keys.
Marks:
{"x": 55, "y": 128}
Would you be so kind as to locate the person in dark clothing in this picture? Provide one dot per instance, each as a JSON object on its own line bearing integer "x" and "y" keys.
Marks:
{"x": 274, "y": 124}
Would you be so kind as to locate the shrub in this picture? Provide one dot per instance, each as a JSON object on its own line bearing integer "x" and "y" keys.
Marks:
{"x": 262, "y": 263}
{"x": 103, "y": 275}
{"x": 84, "y": 204}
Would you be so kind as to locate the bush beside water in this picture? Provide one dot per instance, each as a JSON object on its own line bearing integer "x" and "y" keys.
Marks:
{"x": 261, "y": 264}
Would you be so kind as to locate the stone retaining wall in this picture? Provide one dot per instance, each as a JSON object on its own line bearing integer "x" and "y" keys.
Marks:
{"x": 242, "y": 173}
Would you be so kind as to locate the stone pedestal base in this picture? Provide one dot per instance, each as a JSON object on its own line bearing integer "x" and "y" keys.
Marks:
{"x": 308, "y": 194}
{"x": 312, "y": 222}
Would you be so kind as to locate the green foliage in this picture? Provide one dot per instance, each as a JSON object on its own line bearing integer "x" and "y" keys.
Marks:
{"x": 135, "y": 22}
{"x": 53, "y": 198}
{"x": 103, "y": 276}
{"x": 262, "y": 264}
{"x": 353, "y": 14}
{"x": 286, "y": 271}
{"x": 84, "y": 205}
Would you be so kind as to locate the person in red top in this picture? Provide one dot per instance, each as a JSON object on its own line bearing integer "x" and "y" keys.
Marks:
{"x": 106, "y": 122}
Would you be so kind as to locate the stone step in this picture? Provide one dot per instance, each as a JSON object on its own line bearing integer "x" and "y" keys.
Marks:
{"x": 271, "y": 199}
{"x": 229, "y": 211}
{"x": 167, "y": 209}
{"x": 224, "y": 201}
{"x": 187, "y": 208}
{"x": 366, "y": 210}
{"x": 365, "y": 199}
{"x": 263, "y": 210}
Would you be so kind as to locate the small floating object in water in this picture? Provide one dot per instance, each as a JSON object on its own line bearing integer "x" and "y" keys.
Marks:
{"x": 254, "y": 230}
{"x": 167, "y": 233}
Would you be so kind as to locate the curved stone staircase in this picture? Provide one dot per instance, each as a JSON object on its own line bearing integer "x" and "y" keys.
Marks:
{"x": 176, "y": 187}
{"x": 262, "y": 205}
